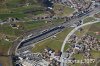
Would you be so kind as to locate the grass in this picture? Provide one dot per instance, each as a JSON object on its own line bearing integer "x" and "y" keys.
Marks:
{"x": 92, "y": 64}
{"x": 19, "y": 12}
{"x": 77, "y": 64}
{"x": 4, "y": 46}
{"x": 8, "y": 30}
{"x": 88, "y": 19}
{"x": 33, "y": 25}
{"x": 38, "y": 24}
{"x": 53, "y": 43}
{"x": 4, "y": 10}
{"x": 25, "y": 8}
{"x": 27, "y": 26}
{"x": 95, "y": 54}
{"x": 83, "y": 32}
{"x": 90, "y": 29}
{"x": 78, "y": 56}
{"x": 13, "y": 10}
{"x": 65, "y": 10}
{"x": 94, "y": 28}
{"x": 14, "y": 15}
{"x": 16, "y": 3}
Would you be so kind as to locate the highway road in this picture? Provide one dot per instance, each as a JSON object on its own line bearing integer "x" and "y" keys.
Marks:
{"x": 40, "y": 37}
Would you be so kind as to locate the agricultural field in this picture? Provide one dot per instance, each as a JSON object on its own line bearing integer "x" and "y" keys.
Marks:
{"x": 19, "y": 8}
{"x": 26, "y": 26}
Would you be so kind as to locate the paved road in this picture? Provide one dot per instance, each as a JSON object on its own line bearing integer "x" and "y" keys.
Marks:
{"x": 69, "y": 35}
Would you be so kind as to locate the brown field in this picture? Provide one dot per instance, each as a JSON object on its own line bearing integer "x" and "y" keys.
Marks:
{"x": 4, "y": 61}
{"x": 97, "y": 15}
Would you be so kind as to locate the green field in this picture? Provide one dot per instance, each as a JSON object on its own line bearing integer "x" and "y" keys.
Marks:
{"x": 8, "y": 30}
{"x": 95, "y": 54}
{"x": 39, "y": 24}
{"x": 89, "y": 19}
{"x": 19, "y": 12}
{"x": 18, "y": 8}
{"x": 26, "y": 26}
{"x": 95, "y": 28}
{"x": 78, "y": 56}
{"x": 53, "y": 43}
{"x": 83, "y": 32}
{"x": 4, "y": 46}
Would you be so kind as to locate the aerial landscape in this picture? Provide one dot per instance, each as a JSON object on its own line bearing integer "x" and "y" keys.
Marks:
{"x": 49, "y": 32}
